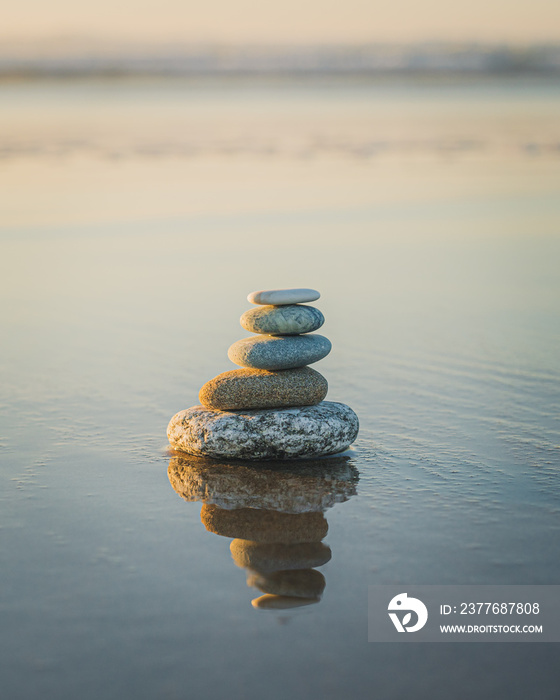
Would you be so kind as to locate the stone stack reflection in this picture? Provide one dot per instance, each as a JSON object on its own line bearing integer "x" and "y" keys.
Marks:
{"x": 281, "y": 544}
{"x": 279, "y": 550}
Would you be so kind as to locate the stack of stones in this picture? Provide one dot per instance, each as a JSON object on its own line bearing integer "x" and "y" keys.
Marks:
{"x": 273, "y": 408}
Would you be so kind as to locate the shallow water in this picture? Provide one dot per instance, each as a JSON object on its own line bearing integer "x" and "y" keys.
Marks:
{"x": 122, "y": 277}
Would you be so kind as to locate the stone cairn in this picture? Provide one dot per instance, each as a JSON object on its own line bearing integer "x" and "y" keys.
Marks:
{"x": 272, "y": 408}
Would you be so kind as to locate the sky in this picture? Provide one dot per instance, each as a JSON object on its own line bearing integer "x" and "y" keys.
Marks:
{"x": 285, "y": 21}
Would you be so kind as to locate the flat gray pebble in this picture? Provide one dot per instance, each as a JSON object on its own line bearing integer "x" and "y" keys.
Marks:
{"x": 291, "y": 319}
{"x": 279, "y": 352}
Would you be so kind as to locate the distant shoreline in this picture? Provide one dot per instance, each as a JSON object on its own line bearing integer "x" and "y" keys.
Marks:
{"x": 32, "y": 62}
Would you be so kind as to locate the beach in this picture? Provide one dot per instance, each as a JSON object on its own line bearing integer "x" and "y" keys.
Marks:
{"x": 136, "y": 216}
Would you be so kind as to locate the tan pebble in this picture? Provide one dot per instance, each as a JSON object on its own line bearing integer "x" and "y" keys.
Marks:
{"x": 265, "y": 558}
{"x": 264, "y": 525}
{"x": 299, "y": 583}
{"x": 256, "y": 388}
{"x": 281, "y": 602}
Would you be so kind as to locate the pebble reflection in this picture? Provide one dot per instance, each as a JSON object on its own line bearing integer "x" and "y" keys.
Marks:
{"x": 275, "y": 515}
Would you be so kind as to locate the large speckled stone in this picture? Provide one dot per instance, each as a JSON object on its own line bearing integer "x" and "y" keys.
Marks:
{"x": 291, "y": 319}
{"x": 279, "y": 352}
{"x": 265, "y": 558}
{"x": 283, "y": 296}
{"x": 264, "y": 525}
{"x": 261, "y": 388}
{"x": 292, "y": 486}
{"x": 298, "y": 583}
{"x": 269, "y": 433}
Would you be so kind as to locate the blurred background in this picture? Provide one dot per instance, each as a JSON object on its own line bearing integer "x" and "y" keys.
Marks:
{"x": 238, "y": 92}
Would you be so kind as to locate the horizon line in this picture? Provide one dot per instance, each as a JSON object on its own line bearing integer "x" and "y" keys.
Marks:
{"x": 161, "y": 41}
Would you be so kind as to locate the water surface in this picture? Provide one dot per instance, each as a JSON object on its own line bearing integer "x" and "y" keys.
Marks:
{"x": 136, "y": 217}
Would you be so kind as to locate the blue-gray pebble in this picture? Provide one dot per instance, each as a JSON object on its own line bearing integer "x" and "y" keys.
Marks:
{"x": 279, "y": 352}
{"x": 291, "y": 319}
